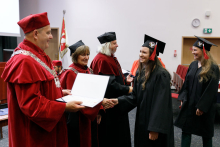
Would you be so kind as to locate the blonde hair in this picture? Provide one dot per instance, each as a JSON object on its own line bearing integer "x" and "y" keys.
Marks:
{"x": 80, "y": 51}
{"x": 206, "y": 73}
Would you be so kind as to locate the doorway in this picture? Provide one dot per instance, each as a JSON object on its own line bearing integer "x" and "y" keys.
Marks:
{"x": 53, "y": 50}
{"x": 187, "y": 43}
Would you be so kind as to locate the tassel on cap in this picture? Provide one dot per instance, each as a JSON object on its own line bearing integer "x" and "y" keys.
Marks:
{"x": 152, "y": 57}
{"x": 204, "y": 53}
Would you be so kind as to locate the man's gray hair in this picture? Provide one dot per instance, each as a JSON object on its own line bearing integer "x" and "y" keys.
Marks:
{"x": 104, "y": 49}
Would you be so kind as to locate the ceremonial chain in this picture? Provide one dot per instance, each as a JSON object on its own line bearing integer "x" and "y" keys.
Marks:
{"x": 53, "y": 72}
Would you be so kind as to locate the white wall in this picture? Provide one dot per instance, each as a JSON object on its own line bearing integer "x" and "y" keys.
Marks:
{"x": 166, "y": 20}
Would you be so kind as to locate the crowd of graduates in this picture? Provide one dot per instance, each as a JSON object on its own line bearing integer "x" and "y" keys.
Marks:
{"x": 35, "y": 82}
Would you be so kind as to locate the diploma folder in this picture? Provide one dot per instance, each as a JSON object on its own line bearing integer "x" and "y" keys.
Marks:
{"x": 88, "y": 88}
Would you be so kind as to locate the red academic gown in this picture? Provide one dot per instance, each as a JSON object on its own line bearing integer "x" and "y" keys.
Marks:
{"x": 79, "y": 123}
{"x": 35, "y": 119}
{"x": 59, "y": 74}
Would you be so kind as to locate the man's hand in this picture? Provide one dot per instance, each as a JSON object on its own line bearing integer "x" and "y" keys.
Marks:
{"x": 130, "y": 89}
{"x": 107, "y": 103}
{"x": 153, "y": 135}
{"x": 129, "y": 78}
{"x": 199, "y": 112}
{"x": 99, "y": 118}
{"x": 74, "y": 106}
{"x": 66, "y": 92}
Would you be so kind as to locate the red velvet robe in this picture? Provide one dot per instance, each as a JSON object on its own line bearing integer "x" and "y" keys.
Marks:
{"x": 108, "y": 62}
{"x": 85, "y": 115}
{"x": 59, "y": 74}
{"x": 35, "y": 118}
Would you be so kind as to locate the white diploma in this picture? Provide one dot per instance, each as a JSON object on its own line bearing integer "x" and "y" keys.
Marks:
{"x": 88, "y": 88}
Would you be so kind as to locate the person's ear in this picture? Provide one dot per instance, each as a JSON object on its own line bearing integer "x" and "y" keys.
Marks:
{"x": 35, "y": 34}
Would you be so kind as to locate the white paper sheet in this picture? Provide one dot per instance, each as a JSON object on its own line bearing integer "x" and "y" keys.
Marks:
{"x": 88, "y": 88}
{"x": 125, "y": 71}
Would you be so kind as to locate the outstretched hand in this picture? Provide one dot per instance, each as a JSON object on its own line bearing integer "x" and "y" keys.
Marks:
{"x": 129, "y": 78}
{"x": 115, "y": 101}
{"x": 107, "y": 103}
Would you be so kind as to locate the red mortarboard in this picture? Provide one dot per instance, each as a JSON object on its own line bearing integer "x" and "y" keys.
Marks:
{"x": 57, "y": 63}
{"x": 34, "y": 21}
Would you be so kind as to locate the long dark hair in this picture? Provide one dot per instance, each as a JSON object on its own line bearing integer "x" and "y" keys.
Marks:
{"x": 148, "y": 67}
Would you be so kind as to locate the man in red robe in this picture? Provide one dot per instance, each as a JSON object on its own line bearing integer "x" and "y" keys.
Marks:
{"x": 114, "y": 130}
{"x": 35, "y": 118}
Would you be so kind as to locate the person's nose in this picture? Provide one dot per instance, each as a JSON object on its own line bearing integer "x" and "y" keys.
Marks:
{"x": 87, "y": 57}
{"x": 140, "y": 54}
{"x": 51, "y": 36}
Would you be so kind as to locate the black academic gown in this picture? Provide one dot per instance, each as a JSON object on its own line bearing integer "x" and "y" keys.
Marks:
{"x": 154, "y": 109}
{"x": 201, "y": 95}
{"x": 114, "y": 129}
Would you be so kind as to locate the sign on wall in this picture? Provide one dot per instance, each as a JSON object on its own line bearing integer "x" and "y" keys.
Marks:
{"x": 207, "y": 30}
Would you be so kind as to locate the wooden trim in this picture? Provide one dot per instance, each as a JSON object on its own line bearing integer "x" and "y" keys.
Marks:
{"x": 57, "y": 28}
{"x": 182, "y": 50}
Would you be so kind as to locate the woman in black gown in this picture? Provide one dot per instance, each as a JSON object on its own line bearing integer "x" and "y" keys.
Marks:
{"x": 152, "y": 97}
{"x": 198, "y": 96}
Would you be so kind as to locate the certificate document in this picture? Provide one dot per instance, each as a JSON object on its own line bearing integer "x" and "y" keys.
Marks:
{"x": 125, "y": 71}
{"x": 88, "y": 88}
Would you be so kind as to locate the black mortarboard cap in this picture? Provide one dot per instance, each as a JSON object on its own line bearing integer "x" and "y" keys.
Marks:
{"x": 200, "y": 41}
{"x": 107, "y": 37}
{"x": 75, "y": 46}
{"x": 150, "y": 42}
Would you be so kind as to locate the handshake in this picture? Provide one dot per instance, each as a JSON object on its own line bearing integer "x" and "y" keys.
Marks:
{"x": 109, "y": 103}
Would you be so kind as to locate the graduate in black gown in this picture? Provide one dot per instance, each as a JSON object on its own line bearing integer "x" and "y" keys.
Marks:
{"x": 198, "y": 96}
{"x": 152, "y": 97}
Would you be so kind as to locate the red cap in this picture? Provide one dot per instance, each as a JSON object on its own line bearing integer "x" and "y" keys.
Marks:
{"x": 34, "y": 21}
{"x": 57, "y": 63}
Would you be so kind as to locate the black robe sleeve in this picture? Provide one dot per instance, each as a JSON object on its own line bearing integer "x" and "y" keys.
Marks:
{"x": 183, "y": 91}
{"x": 128, "y": 102}
{"x": 209, "y": 94}
{"x": 116, "y": 87}
{"x": 161, "y": 106}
